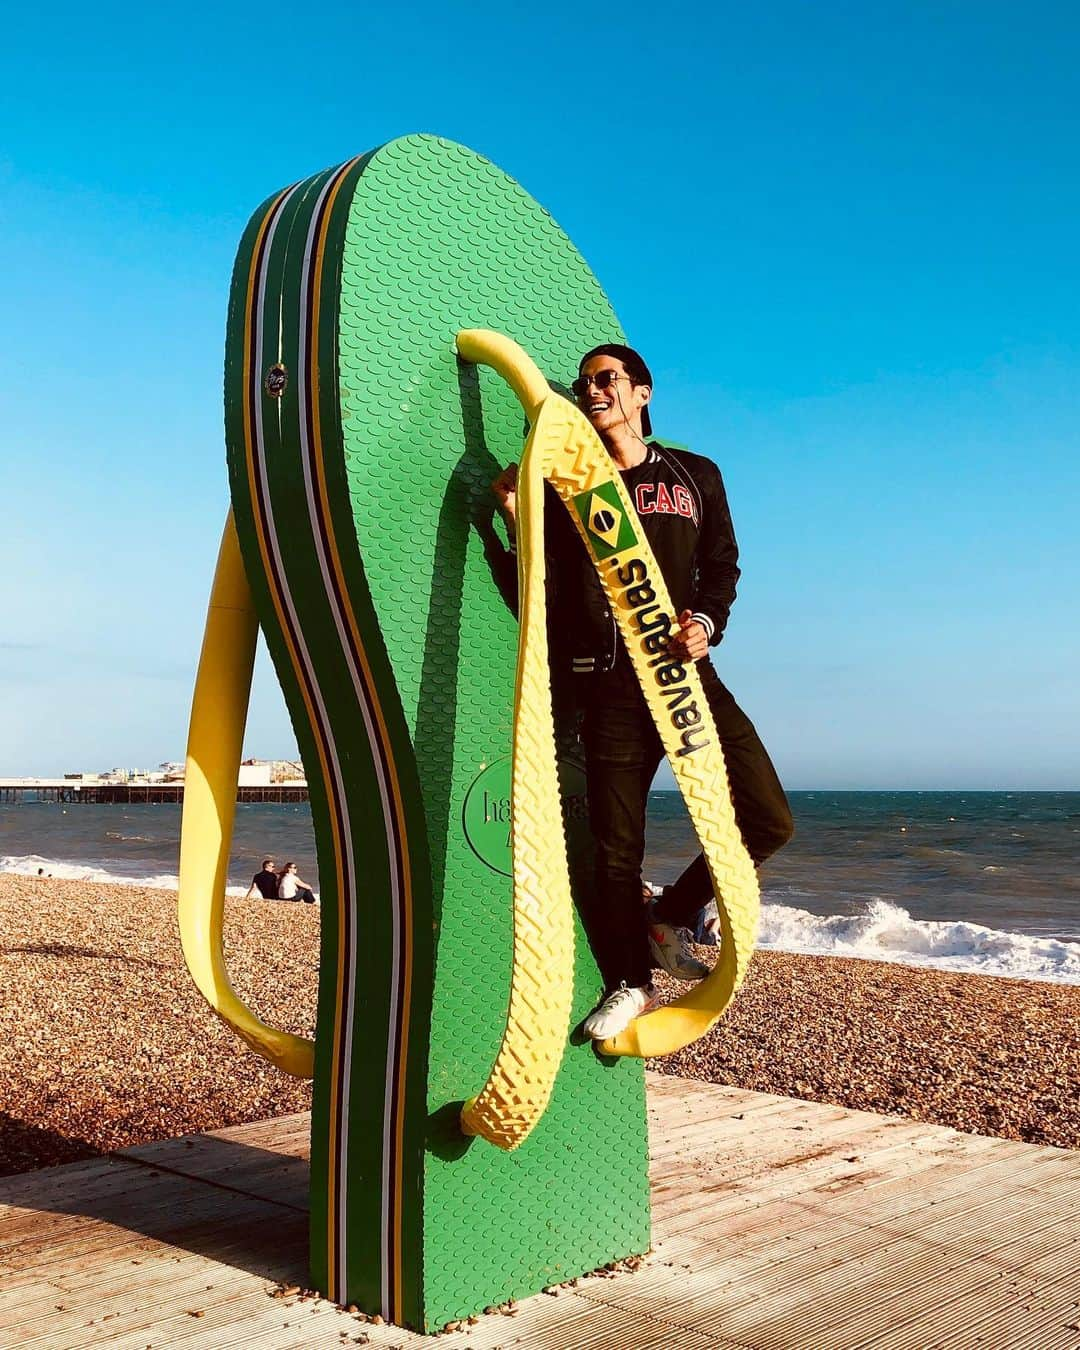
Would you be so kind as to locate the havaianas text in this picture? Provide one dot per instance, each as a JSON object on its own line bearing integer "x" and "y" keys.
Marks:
{"x": 653, "y": 628}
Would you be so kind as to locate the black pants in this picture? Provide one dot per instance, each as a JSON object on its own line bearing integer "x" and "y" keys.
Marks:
{"x": 622, "y": 753}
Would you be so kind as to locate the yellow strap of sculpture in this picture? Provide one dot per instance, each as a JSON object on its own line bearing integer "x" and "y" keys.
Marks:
{"x": 564, "y": 449}
{"x": 215, "y": 739}
{"x": 542, "y": 973}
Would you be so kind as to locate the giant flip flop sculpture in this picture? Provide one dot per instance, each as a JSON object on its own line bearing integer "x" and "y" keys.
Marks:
{"x": 361, "y": 443}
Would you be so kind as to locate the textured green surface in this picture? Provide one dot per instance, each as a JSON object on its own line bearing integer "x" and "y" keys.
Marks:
{"x": 428, "y": 238}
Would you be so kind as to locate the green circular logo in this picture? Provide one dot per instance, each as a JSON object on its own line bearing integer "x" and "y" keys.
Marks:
{"x": 486, "y": 814}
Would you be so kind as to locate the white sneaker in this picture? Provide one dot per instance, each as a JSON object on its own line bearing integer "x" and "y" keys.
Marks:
{"x": 618, "y": 1010}
{"x": 670, "y": 947}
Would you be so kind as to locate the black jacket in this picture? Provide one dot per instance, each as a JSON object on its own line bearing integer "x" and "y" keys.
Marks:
{"x": 684, "y": 514}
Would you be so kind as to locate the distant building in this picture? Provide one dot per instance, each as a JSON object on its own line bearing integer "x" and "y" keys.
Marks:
{"x": 264, "y": 772}
{"x": 255, "y": 773}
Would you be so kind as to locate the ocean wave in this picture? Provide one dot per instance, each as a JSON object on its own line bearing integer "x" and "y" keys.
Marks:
{"x": 32, "y": 865}
{"x": 887, "y": 932}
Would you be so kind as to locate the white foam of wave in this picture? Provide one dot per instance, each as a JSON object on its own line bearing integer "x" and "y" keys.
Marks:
{"x": 887, "y": 932}
{"x": 31, "y": 864}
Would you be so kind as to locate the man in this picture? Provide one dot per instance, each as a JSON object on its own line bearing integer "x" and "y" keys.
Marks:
{"x": 265, "y": 882}
{"x": 683, "y": 510}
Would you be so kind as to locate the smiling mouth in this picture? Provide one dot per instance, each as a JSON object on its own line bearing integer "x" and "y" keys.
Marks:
{"x": 599, "y": 405}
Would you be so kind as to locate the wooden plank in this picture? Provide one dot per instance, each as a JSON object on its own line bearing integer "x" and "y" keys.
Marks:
{"x": 807, "y": 1182}
{"x": 805, "y": 1240}
{"x": 148, "y": 1311}
{"x": 1001, "y": 1313}
{"x": 204, "y": 1215}
{"x": 264, "y": 1159}
{"x": 282, "y": 1134}
{"x": 32, "y": 1188}
{"x": 778, "y": 1144}
{"x": 899, "y": 1192}
{"x": 834, "y": 1306}
{"x": 707, "y": 1120}
{"x": 256, "y": 1173}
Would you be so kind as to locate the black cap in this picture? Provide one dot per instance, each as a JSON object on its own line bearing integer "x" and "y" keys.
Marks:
{"x": 635, "y": 367}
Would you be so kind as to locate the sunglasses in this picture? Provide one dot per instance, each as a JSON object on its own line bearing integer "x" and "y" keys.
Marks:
{"x": 603, "y": 379}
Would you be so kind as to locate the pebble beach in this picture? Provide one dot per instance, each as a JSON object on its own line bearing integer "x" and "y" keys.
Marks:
{"x": 105, "y": 1043}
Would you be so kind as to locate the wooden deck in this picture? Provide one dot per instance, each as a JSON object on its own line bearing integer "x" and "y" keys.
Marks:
{"x": 779, "y": 1225}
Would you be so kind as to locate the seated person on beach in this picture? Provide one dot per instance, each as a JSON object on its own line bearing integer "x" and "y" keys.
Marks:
{"x": 291, "y": 887}
{"x": 684, "y": 514}
{"x": 265, "y": 882}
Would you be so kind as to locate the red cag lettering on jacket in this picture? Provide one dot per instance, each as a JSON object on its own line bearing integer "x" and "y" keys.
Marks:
{"x": 650, "y": 497}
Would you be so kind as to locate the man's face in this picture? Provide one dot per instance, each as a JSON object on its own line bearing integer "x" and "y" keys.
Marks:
{"x": 618, "y": 403}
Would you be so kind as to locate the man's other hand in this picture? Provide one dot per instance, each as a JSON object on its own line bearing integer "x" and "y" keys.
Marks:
{"x": 691, "y": 642}
{"x": 505, "y": 489}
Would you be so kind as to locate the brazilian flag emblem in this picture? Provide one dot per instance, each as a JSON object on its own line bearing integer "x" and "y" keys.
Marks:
{"x": 605, "y": 519}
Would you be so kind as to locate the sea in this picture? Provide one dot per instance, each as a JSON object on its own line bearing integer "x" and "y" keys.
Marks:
{"x": 985, "y": 882}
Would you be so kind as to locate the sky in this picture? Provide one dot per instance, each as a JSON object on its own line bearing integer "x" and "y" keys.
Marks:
{"x": 844, "y": 236}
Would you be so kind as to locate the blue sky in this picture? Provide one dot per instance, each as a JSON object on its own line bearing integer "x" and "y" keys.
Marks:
{"x": 845, "y": 236}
